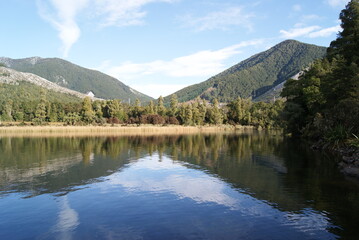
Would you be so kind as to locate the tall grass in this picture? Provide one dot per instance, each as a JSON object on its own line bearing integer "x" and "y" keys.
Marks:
{"x": 112, "y": 130}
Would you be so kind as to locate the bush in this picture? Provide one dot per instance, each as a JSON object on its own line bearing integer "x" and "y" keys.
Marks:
{"x": 152, "y": 119}
{"x": 113, "y": 120}
{"x": 172, "y": 120}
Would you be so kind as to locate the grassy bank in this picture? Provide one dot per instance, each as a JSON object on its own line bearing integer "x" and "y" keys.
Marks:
{"x": 114, "y": 130}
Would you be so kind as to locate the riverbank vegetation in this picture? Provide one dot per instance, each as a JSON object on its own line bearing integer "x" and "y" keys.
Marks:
{"x": 324, "y": 103}
{"x": 87, "y": 112}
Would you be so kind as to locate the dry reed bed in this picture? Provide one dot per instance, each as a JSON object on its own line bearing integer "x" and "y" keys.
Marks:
{"x": 114, "y": 130}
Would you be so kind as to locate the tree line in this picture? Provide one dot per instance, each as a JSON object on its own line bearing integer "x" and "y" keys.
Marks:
{"x": 195, "y": 113}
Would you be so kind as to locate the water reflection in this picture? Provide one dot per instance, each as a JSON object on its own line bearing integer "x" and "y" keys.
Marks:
{"x": 67, "y": 222}
{"x": 148, "y": 175}
{"x": 252, "y": 180}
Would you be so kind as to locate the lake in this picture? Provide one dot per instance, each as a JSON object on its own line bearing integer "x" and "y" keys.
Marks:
{"x": 201, "y": 186}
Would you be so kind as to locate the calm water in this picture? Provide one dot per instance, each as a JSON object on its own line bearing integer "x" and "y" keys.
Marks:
{"x": 244, "y": 186}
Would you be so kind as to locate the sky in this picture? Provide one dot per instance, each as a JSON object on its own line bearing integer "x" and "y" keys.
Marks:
{"x": 160, "y": 46}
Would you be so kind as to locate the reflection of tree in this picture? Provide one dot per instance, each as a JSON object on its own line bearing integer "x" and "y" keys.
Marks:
{"x": 86, "y": 146}
{"x": 266, "y": 166}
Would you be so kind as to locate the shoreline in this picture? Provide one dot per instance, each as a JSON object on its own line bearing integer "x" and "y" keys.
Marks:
{"x": 109, "y": 130}
{"x": 349, "y": 165}
{"x": 349, "y": 158}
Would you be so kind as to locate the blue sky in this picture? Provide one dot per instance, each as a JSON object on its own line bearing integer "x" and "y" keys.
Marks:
{"x": 160, "y": 46}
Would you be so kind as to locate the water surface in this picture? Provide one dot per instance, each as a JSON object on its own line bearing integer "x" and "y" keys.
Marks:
{"x": 216, "y": 186}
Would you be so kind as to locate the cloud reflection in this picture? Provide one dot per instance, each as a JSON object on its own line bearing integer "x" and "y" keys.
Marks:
{"x": 68, "y": 220}
{"x": 171, "y": 177}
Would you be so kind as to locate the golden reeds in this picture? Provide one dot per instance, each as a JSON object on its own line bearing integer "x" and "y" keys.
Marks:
{"x": 113, "y": 130}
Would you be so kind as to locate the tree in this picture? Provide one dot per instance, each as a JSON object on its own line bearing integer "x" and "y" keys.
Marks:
{"x": 347, "y": 42}
{"x": 150, "y": 109}
{"x": 197, "y": 117}
{"x": 238, "y": 111}
{"x": 188, "y": 115}
{"x": 136, "y": 110}
{"x": 161, "y": 109}
{"x": 87, "y": 112}
{"x": 7, "y": 111}
{"x": 214, "y": 113}
{"x": 173, "y": 105}
{"x": 41, "y": 113}
{"x": 52, "y": 112}
{"x": 325, "y": 99}
{"x": 72, "y": 118}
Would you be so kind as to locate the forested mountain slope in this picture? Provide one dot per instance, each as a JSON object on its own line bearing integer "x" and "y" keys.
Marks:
{"x": 257, "y": 74}
{"x": 12, "y": 77}
{"x": 74, "y": 77}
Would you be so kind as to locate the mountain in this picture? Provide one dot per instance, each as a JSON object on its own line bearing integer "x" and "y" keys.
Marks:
{"x": 69, "y": 75}
{"x": 274, "y": 92}
{"x": 13, "y": 77}
{"x": 27, "y": 87}
{"x": 255, "y": 75}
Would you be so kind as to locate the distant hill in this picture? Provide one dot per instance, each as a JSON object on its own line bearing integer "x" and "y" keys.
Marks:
{"x": 69, "y": 75}
{"x": 27, "y": 87}
{"x": 256, "y": 75}
{"x": 13, "y": 77}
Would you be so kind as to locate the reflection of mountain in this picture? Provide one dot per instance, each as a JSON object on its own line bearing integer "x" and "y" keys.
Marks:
{"x": 57, "y": 165}
{"x": 60, "y": 164}
{"x": 54, "y": 165}
{"x": 173, "y": 178}
{"x": 280, "y": 172}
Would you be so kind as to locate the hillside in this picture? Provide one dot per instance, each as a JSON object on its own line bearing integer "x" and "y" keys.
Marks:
{"x": 256, "y": 75}
{"x": 69, "y": 75}
{"x": 13, "y": 77}
{"x": 274, "y": 92}
{"x": 26, "y": 88}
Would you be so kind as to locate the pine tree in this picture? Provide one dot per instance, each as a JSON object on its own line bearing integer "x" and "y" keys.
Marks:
{"x": 197, "y": 118}
{"x": 214, "y": 114}
{"x": 150, "y": 109}
{"x": 161, "y": 109}
{"x": 87, "y": 112}
{"x": 137, "y": 110}
{"x": 97, "y": 107}
{"x": 174, "y": 105}
{"x": 7, "y": 111}
{"x": 188, "y": 115}
{"x": 347, "y": 42}
{"x": 40, "y": 113}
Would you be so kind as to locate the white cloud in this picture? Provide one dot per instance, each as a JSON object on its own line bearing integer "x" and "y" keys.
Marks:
{"x": 298, "y": 32}
{"x": 311, "y": 17}
{"x": 297, "y": 8}
{"x": 203, "y": 63}
{"x": 123, "y": 12}
{"x": 326, "y": 32}
{"x": 62, "y": 15}
{"x": 167, "y": 74}
{"x": 63, "y": 20}
{"x": 311, "y": 32}
{"x": 234, "y": 16}
{"x": 337, "y": 3}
